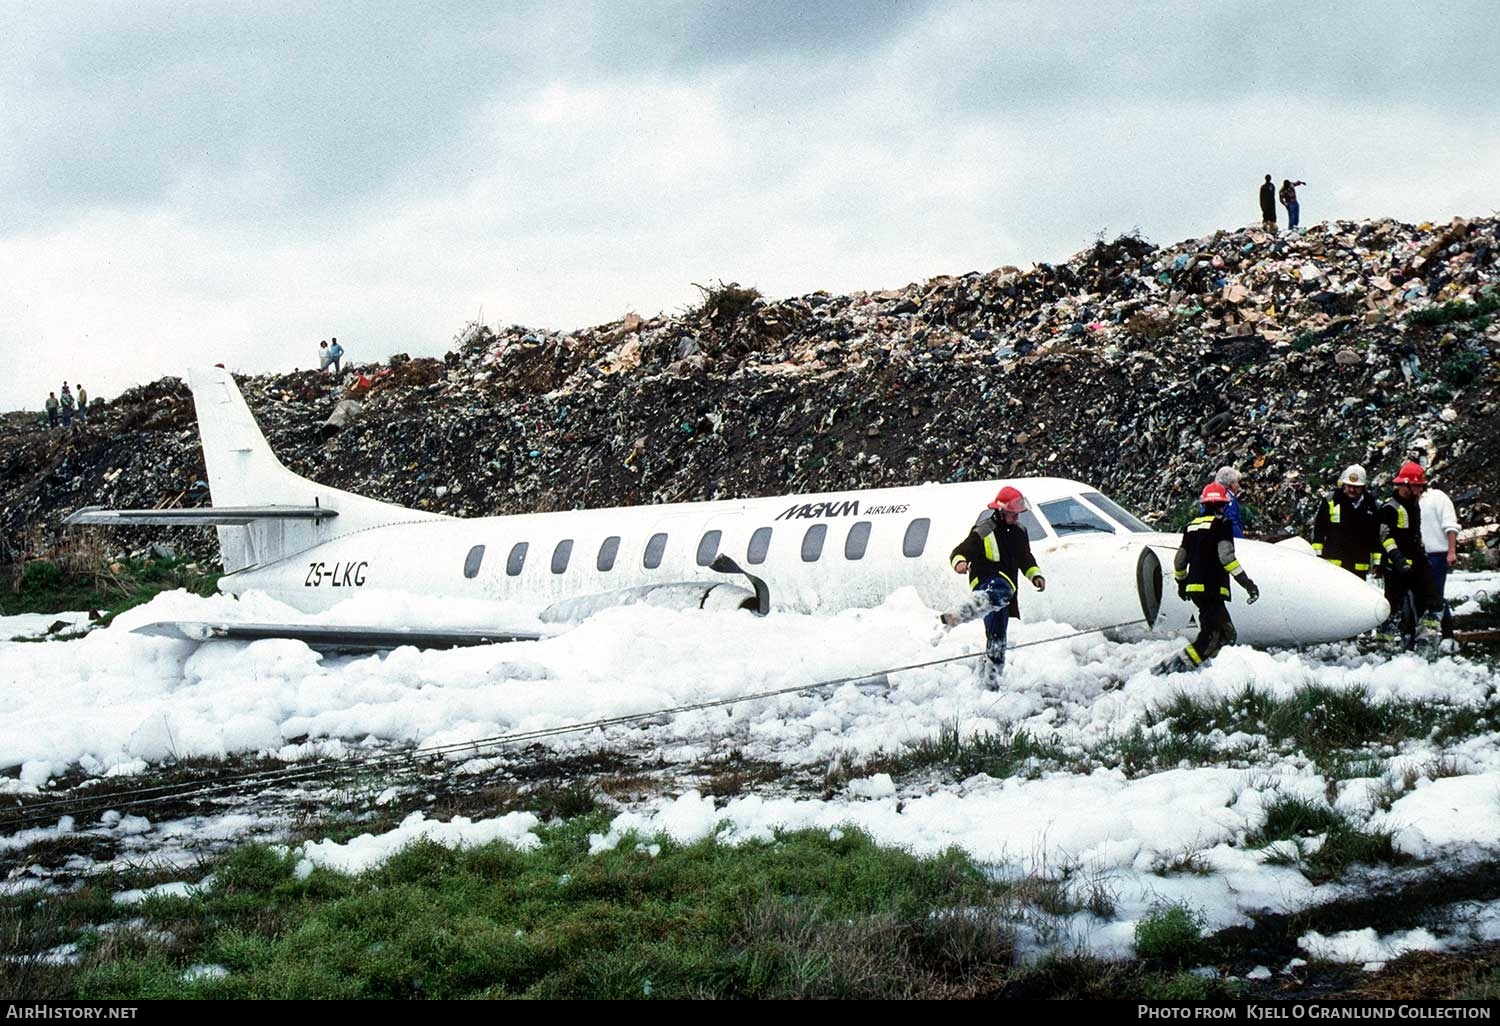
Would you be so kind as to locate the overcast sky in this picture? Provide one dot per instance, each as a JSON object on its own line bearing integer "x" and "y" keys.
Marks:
{"x": 232, "y": 182}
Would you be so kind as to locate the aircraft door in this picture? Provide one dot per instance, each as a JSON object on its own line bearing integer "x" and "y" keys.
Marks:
{"x": 1165, "y": 613}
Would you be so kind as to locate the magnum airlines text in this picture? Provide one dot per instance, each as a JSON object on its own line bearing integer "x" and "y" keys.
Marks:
{"x": 846, "y": 508}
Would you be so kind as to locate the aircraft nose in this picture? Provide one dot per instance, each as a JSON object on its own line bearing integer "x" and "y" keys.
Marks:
{"x": 1354, "y": 606}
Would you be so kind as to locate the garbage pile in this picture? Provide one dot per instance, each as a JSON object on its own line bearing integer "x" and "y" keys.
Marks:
{"x": 1136, "y": 368}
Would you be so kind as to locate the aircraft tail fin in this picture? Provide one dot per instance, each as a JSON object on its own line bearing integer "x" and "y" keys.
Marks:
{"x": 243, "y": 472}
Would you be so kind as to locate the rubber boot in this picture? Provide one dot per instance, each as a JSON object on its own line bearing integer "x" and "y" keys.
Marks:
{"x": 992, "y": 668}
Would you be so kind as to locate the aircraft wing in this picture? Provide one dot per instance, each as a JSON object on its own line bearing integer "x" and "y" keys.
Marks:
{"x": 207, "y": 516}
{"x": 335, "y": 639}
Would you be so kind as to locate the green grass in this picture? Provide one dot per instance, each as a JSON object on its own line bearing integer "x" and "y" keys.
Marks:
{"x": 804, "y": 915}
{"x": 110, "y": 586}
{"x": 1005, "y": 754}
{"x": 1142, "y": 750}
{"x": 1169, "y": 931}
{"x": 1291, "y": 820}
{"x": 1458, "y": 310}
{"x": 1336, "y": 727}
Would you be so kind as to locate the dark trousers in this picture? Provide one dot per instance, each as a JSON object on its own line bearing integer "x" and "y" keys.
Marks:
{"x": 1416, "y": 580}
{"x": 52, "y": 418}
{"x": 997, "y": 620}
{"x": 1215, "y": 629}
{"x": 1438, "y": 561}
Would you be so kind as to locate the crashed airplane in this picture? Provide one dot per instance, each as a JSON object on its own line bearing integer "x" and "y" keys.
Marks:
{"x": 310, "y": 545}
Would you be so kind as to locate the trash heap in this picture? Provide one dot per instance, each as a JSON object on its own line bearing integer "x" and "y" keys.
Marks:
{"x": 1136, "y": 368}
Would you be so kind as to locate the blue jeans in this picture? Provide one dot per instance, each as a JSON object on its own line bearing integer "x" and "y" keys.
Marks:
{"x": 1439, "y": 563}
{"x": 1292, "y": 210}
{"x": 998, "y": 618}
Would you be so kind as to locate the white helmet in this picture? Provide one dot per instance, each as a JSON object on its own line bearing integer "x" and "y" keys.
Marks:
{"x": 1354, "y": 474}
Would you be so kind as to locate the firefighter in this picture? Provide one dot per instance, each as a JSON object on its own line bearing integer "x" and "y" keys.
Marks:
{"x": 1204, "y": 563}
{"x": 1404, "y": 557}
{"x": 994, "y": 555}
{"x": 1346, "y": 530}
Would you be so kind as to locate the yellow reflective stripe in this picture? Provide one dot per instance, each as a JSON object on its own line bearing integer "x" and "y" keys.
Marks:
{"x": 1361, "y": 566}
{"x": 1389, "y": 545}
{"x": 1336, "y": 562}
{"x": 974, "y": 584}
{"x": 1179, "y": 574}
{"x": 1033, "y": 572}
{"x": 1403, "y": 519}
{"x": 1334, "y": 512}
{"x": 991, "y": 549}
{"x": 1008, "y": 580}
{"x": 1232, "y": 567}
{"x": 1318, "y": 547}
{"x": 1224, "y": 590}
{"x": 957, "y": 560}
{"x": 1195, "y": 587}
{"x": 1374, "y": 559}
{"x": 1192, "y": 653}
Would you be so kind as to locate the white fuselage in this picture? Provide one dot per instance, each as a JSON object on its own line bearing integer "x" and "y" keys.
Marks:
{"x": 816, "y": 553}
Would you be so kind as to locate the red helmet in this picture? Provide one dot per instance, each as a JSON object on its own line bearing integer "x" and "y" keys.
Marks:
{"x": 1411, "y": 474}
{"x": 1214, "y": 492}
{"x": 1010, "y": 500}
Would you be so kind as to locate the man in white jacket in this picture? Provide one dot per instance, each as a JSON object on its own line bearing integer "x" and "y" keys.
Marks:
{"x": 1440, "y": 541}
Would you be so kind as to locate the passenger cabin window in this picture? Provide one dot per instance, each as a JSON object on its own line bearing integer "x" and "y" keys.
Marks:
{"x": 812, "y": 542}
{"x": 561, "y": 555}
{"x": 1069, "y": 516}
{"x": 708, "y": 547}
{"x": 607, "y": 553}
{"x": 1113, "y": 509}
{"x": 856, "y": 541}
{"x": 760, "y": 544}
{"x": 471, "y": 563}
{"x": 915, "y": 541}
{"x": 654, "y": 549}
{"x": 517, "y": 559}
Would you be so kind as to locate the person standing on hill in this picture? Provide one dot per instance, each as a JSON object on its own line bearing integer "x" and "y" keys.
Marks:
{"x": 51, "y": 407}
{"x": 1202, "y": 567}
{"x": 1289, "y": 200}
{"x": 83, "y": 402}
{"x": 66, "y": 401}
{"x": 1268, "y": 204}
{"x": 335, "y": 354}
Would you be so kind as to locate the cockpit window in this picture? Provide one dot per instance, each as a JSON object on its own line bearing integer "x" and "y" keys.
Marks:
{"x": 1028, "y": 520}
{"x": 1069, "y": 516}
{"x": 1117, "y": 512}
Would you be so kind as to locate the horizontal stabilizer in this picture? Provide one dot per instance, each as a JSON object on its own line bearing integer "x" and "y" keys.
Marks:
{"x": 335, "y": 639}
{"x": 210, "y": 516}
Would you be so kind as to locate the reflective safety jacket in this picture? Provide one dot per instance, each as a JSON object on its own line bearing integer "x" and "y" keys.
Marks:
{"x": 1206, "y": 559}
{"x": 996, "y": 549}
{"x": 1401, "y": 528}
{"x": 1347, "y": 533}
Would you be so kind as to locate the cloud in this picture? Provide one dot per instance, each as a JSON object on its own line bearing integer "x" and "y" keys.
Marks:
{"x": 233, "y": 184}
